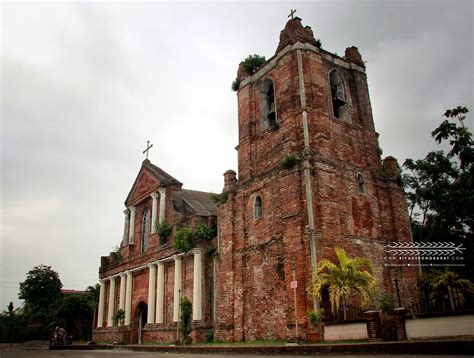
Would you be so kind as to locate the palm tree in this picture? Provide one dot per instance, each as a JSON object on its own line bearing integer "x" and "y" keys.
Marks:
{"x": 342, "y": 279}
{"x": 94, "y": 292}
{"x": 455, "y": 285}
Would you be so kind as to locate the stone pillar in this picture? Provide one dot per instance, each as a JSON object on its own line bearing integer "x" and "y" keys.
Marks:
{"x": 128, "y": 298}
{"x": 151, "y": 293}
{"x": 162, "y": 204}
{"x": 126, "y": 227}
{"x": 177, "y": 286}
{"x": 197, "y": 285}
{"x": 100, "y": 310}
{"x": 160, "y": 292}
{"x": 131, "y": 232}
{"x": 373, "y": 325}
{"x": 110, "y": 312}
{"x": 399, "y": 314}
{"x": 154, "y": 210}
{"x": 123, "y": 284}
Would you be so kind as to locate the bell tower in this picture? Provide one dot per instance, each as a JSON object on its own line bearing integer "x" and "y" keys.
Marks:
{"x": 310, "y": 178}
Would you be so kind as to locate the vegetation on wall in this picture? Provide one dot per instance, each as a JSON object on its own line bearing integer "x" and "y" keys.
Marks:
{"x": 288, "y": 162}
{"x": 250, "y": 65}
{"x": 186, "y": 238}
{"x": 163, "y": 230}
{"x": 219, "y": 198}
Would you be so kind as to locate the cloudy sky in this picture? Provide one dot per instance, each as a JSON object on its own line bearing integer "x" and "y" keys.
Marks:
{"x": 85, "y": 85}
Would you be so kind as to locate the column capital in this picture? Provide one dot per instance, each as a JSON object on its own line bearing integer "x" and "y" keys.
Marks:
{"x": 122, "y": 274}
{"x": 154, "y": 195}
{"x": 159, "y": 263}
{"x": 111, "y": 278}
{"x": 132, "y": 209}
{"x": 177, "y": 257}
{"x": 162, "y": 190}
{"x": 151, "y": 266}
{"x": 102, "y": 281}
{"x": 128, "y": 273}
{"x": 197, "y": 250}
{"x": 126, "y": 212}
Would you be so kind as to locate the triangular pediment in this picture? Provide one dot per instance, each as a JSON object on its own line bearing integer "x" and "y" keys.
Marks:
{"x": 149, "y": 179}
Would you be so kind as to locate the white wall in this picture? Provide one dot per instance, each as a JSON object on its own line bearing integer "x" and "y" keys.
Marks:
{"x": 337, "y": 332}
{"x": 440, "y": 326}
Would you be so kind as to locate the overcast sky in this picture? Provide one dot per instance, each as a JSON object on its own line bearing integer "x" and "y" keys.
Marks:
{"x": 85, "y": 85}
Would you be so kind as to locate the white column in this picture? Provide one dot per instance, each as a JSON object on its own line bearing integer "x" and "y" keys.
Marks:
{"x": 131, "y": 232}
{"x": 177, "y": 286}
{"x": 110, "y": 312}
{"x": 162, "y": 204}
{"x": 151, "y": 294}
{"x": 197, "y": 285}
{"x": 100, "y": 310}
{"x": 154, "y": 212}
{"x": 128, "y": 298}
{"x": 125, "y": 227}
{"x": 123, "y": 284}
{"x": 160, "y": 292}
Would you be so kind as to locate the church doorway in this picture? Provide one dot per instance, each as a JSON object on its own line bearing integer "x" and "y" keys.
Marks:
{"x": 142, "y": 310}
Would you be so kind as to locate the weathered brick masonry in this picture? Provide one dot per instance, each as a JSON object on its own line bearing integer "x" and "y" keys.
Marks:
{"x": 257, "y": 256}
{"x": 306, "y": 104}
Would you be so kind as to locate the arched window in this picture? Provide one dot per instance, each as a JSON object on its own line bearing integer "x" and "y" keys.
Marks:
{"x": 340, "y": 106}
{"x": 257, "y": 208}
{"x": 361, "y": 183}
{"x": 146, "y": 228}
{"x": 268, "y": 117}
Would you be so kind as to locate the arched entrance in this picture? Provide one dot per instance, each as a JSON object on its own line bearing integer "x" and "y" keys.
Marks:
{"x": 142, "y": 312}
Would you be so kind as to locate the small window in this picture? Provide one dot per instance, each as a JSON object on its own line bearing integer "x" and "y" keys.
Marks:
{"x": 361, "y": 183}
{"x": 340, "y": 106}
{"x": 257, "y": 208}
{"x": 146, "y": 229}
{"x": 268, "y": 117}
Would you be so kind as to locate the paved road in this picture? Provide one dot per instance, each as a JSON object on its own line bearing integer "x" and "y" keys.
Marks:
{"x": 27, "y": 353}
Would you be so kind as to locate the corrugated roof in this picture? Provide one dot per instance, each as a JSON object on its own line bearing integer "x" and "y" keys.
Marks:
{"x": 200, "y": 202}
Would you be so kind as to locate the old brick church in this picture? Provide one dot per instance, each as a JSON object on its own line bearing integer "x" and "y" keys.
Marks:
{"x": 310, "y": 177}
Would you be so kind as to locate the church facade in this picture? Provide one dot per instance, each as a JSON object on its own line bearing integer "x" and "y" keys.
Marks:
{"x": 310, "y": 178}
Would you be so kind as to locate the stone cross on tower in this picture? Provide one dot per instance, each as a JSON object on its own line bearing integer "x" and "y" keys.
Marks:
{"x": 292, "y": 12}
{"x": 148, "y": 146}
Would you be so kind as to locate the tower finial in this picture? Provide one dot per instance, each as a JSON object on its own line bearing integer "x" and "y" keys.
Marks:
{"x": 292, "y": 11}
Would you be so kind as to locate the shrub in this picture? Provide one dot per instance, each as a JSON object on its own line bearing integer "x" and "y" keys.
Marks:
{"x": 185, "y": 317}
{"x": 386, "y": 303}
{"x": 289, "y": 161}
{"x": 252, "y": 63}
{"x": 236, "y": 84}
{"x": 219, "y": 198}
{"x": 315, "y": 317}
{"x": 211, "y": 250}
{"x": 209, "y": 336}
{"x": 204, "y": 232}
{"x": 119, "y": 317}
{"x": 183, "y": 240}
{"x": 163, "y": 230}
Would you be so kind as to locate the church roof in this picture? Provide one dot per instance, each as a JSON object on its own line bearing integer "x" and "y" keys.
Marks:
{"x": 200, "y": 202}
{"x": 161, "y": 175}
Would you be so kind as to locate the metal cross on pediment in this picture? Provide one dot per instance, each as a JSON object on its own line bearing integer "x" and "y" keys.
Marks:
{"x": 292, "y": 11}
{"x": 148, "y": 146}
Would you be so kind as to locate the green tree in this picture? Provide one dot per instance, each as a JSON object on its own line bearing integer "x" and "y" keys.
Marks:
{"x": 343, "y": 278}
{"x": 41, "y": 288}
{"x": 440, "y": 188}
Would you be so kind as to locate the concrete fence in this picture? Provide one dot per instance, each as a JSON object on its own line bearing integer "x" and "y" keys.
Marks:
{"x": 444, "y": 326}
